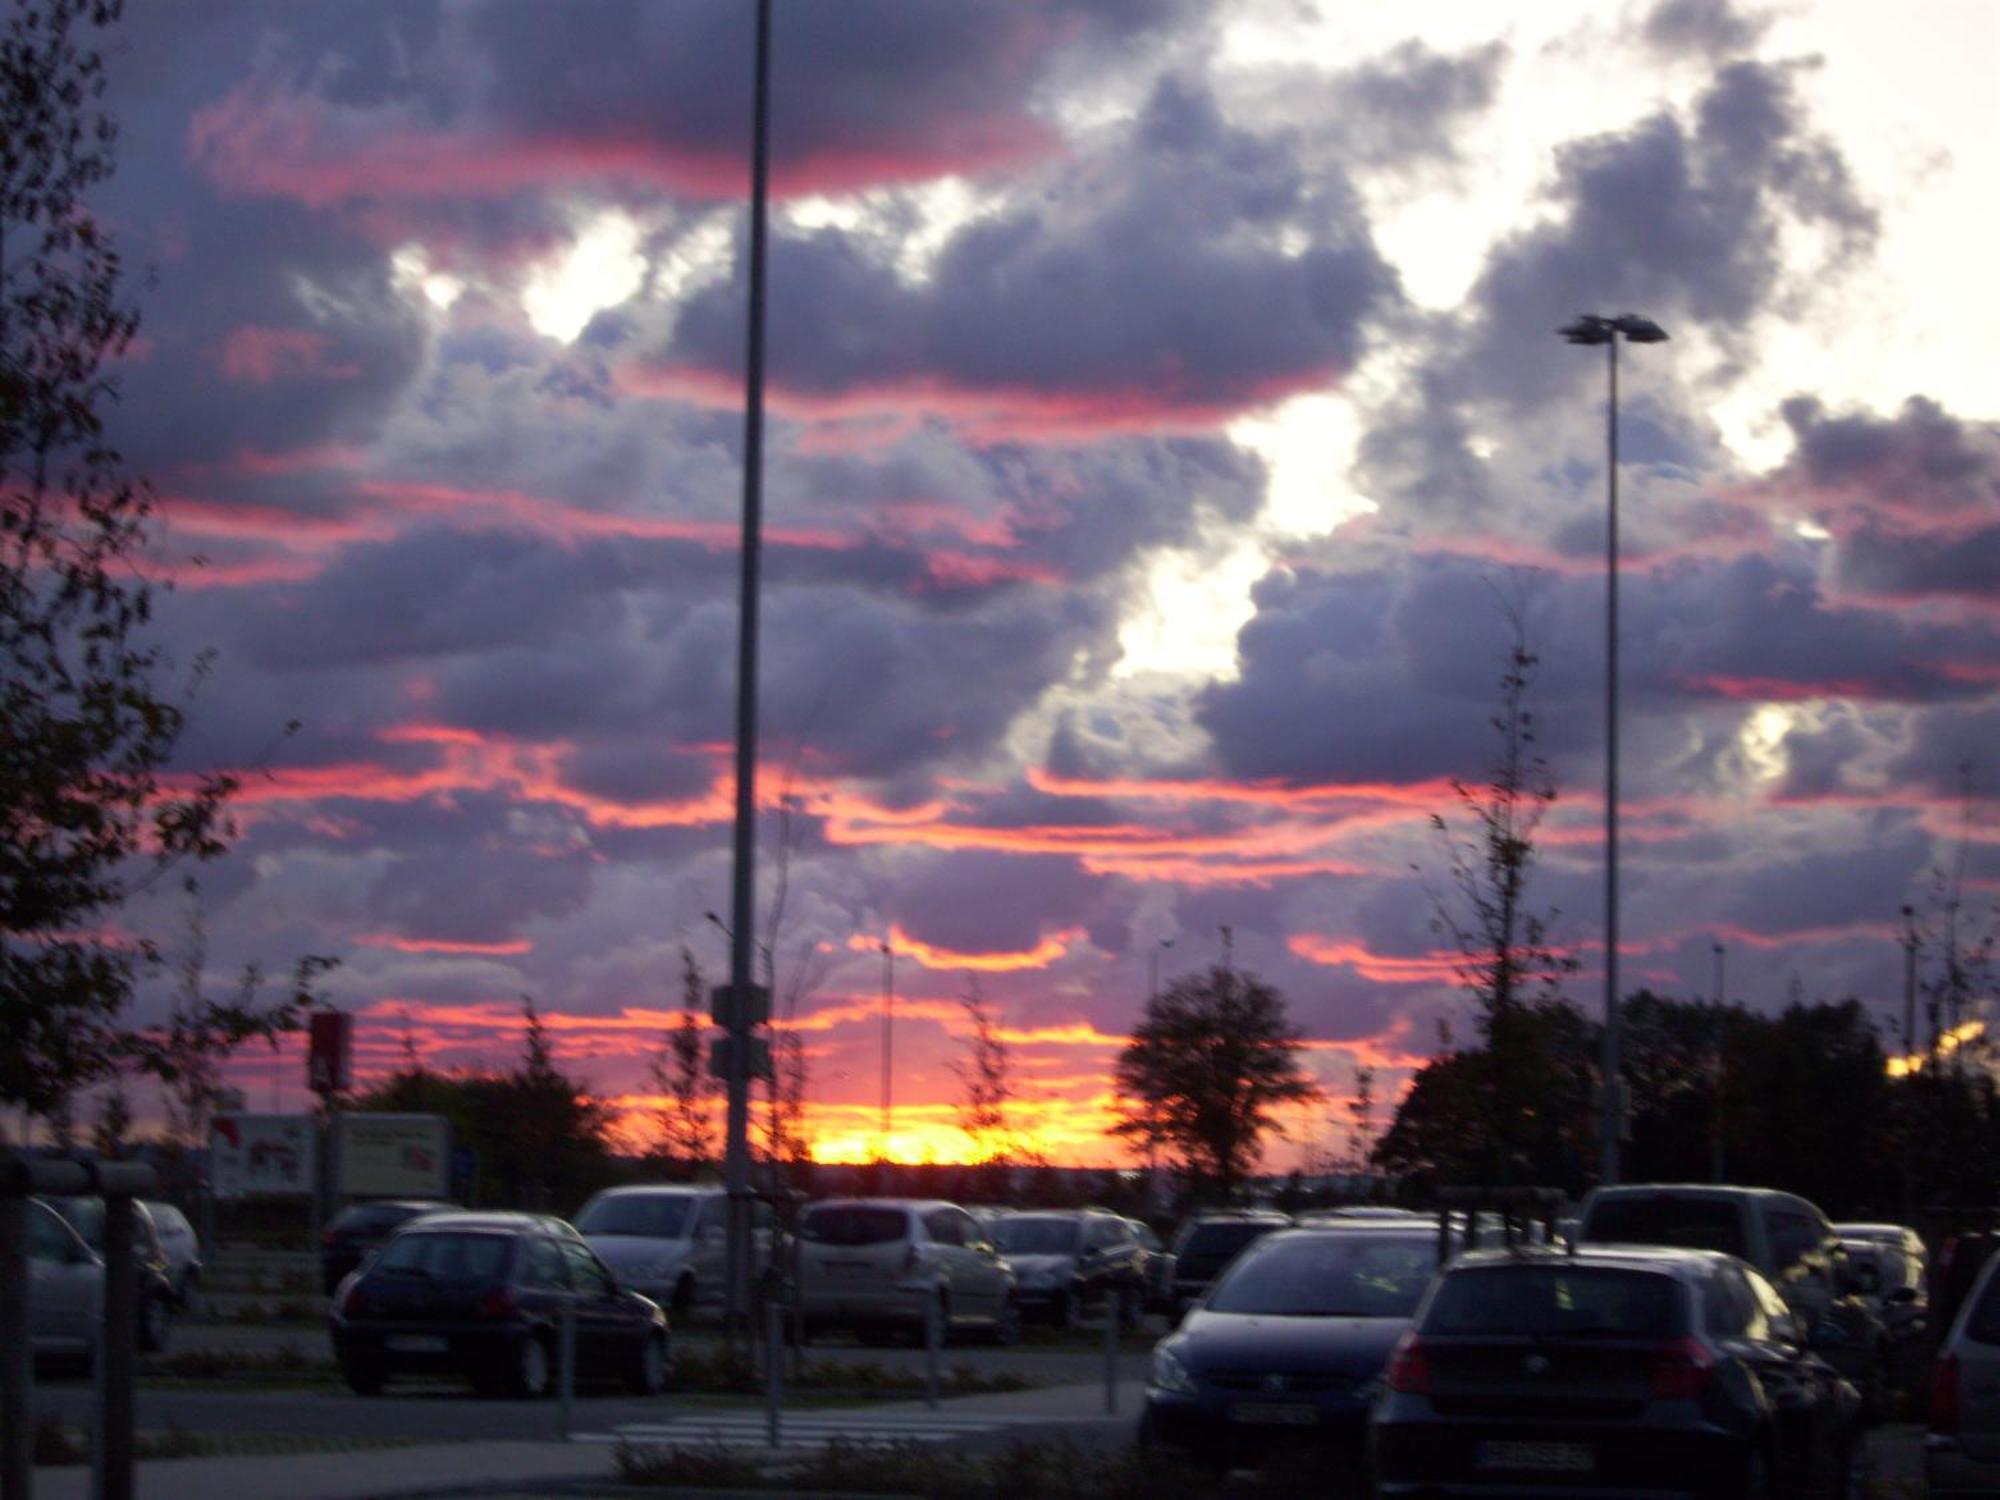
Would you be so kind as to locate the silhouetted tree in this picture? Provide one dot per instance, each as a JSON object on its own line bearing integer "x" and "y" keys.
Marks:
{"x": 1209, "y": 1066}
{"x": 679, "y": 1073}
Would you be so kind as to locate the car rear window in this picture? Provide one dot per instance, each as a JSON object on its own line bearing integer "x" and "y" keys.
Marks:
{"x": 1667, "y": 1219}
{"x": 1329, "y": 1276}
{"x": 1205, "y": 1248}
{"x": 1982, "y": 1324}
{"x": 846, "y": 1225}
{"x": 447, "y": 1256}
{"x": 662, "y": 1216}
{"x": 366, "y": 1218}
{"x": 1556, "y": 1302}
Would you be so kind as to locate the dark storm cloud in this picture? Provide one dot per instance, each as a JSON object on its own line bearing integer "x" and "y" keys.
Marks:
{"x": 1393, "y": 676}
{"x": 1952, "y": 751}
{"x": 1153, "y": 282}
{"x": 476, "y": 895}
{"x": 1411, "y": 104}
{"x": 1706, "y": 29}
{"x": 977, "y": 902}
{"x": 1680, "y": 216}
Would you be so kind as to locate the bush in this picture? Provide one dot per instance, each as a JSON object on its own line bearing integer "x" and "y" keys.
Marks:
{"x": 702, "y": 1465}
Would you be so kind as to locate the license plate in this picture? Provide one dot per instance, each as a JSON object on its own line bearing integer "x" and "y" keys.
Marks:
{"x": 1275, "y": 1413}
{"x": 1568, "y": 1458}
{"x": 416, "y": 1343}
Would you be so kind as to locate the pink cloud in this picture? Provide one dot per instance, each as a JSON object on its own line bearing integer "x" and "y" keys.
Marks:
{"x": 264, "y": 356}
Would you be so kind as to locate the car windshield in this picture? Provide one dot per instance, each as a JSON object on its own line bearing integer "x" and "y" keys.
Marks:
{"x": 445, "y": 1256}
{"x": 1556, "y": 1302}
{"x": 1025, "y": 1236}
{"x": 1329, "y": 1276}
{"x": 847, "y": 1224}
{"x": 1668, "y": 1219}
{"x": 655, "y": 1216}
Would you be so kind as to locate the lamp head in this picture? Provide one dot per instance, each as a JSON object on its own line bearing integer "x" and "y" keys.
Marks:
{"x": 1638, "y": 330}
{"x": 1587, "y": 329}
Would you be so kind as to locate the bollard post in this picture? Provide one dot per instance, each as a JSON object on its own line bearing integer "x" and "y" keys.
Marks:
{"x": 112, "y": 1455}
{"x": 933, "y": 1337}
{"x": 17, "y": 1366}
{"x": 1112, "y": 1297}
{"x": 774, "y": 1369}
{"x": 566, "y": 1363}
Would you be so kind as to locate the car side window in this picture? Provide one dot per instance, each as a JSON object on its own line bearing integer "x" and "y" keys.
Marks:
{"x": 542, "y": 1266}
{"x": 1107, "y": 1234}
{"x": 46, "y": 1240}
{"x": 943, "y": 1227}
{"x": 1771, "y": 1316}
{"x": 1793, "y": 1237}
{"x": 585, "y": 1274}
{"x": 711, "y": 1215}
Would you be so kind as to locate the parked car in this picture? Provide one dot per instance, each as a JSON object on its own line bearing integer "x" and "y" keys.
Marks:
{"x": 1610, "y": 1370}
{"x": 359, "y": 1228}
{"x": 1156, "y": 1266}
{"x": 65, "y": 1289}
{"x": 1962, "y": 1448}
{"x": 1289, "y": 1343}
{"x": 482, "y": 1295}
{"x": 1067, "y": 1262}
{"x": 667, "y": 1242}
{"x": 1785, "y": 1237}
{"x": 872, "y": 1264}
{"x": 1895, "y": 1281}
{"x": 1208, "y": 1242}
{"x": 180, "y": 1246}
{"x": 155, "y": 1290}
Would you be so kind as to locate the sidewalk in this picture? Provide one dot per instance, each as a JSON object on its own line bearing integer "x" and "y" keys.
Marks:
{"x": 532, "y": 1468}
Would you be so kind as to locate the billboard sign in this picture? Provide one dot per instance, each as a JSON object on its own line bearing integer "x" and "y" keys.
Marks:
{"x": 392, "y": 1156}
{"x": 262, "y": 1156}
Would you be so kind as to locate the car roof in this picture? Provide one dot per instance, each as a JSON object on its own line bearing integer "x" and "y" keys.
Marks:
{"x": 664, "y": 1190}
{"x": 916, "y": 1204}
{"x": 493, "y": 1221}
{"x": 1242, "y": 1216}
{"x": 1666, "y": 1258}
{"x": 1685, "y": 1190}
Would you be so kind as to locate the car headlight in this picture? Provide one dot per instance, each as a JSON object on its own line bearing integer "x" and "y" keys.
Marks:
{"x": 1167, "y": 1373}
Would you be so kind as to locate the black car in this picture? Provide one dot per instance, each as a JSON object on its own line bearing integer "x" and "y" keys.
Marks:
{"x": 1209, "y": 1242}
{"x": 357, "y": 1229}
{"x": 482, "y": 1295}
{"x": 1069, "y": 1261}
{"x": 1289, "y": 1344}
{"x": 1614, "y": 1371}
{"x": 156, "y": 1292}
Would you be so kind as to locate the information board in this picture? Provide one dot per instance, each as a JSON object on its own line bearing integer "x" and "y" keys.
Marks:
{"x": 392, "y": 1156}
{"x": 262, "y": 1156}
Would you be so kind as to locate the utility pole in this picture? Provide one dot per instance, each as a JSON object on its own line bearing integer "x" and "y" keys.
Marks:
{"x": 1721, "y": 1062}
{"x": 888, "y": 1043}
{"x": 740, "y": 1014}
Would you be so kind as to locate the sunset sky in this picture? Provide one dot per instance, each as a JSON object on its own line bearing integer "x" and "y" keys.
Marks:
{"x": 1162, "y": 394}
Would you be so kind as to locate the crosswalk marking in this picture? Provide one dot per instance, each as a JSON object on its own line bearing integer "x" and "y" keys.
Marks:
{"x": 800, "y": 1429}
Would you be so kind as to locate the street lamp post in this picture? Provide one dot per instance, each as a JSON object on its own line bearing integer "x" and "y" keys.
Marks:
{"x": 888, "y": 1039}
{"x": 1593, "y": 328}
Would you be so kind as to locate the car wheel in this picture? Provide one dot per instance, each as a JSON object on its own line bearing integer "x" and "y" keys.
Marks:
{"x": 154, "y": 1325}
{"x": 648, "y": 1375}
{"x": 1756, "y": 1483}
{"x": 1007, "y": 1326}
{"x": 363, "y": 1377}
{"x": 680, "y": 1307}
{"x": 532, "y": 1366}
{"x": 1062, "y": 1311}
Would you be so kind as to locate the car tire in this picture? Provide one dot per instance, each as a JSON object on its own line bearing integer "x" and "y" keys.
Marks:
{"x": 1757, "y": 1482}
{"x": 648, "y": 1373}
{"x": 1062, "y": 1311}
{"x": 363, "y": 1377}
{"x": 531, "y": 1375}
{"x": 1007, "y": 1326}
{"x": 155, "y": 1325}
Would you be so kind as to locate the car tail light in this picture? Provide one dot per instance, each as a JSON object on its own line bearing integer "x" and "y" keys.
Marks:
{"x": 497, "y": 1304}
{"x": 1944, "y": 1396}
{"x": 1409, "y": 1367}
{"x": 1682, "y": 1367}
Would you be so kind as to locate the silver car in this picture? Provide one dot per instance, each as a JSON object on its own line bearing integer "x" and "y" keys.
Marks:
{"x": 664, "y": 1242}
{"x": 180, "y": 1245}
{"x": 1962, "y": 1449}
{"x": 65, "y": 1288}
{"x": 922, "y": 1266}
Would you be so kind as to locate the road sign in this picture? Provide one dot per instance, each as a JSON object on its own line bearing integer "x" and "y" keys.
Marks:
{"x": 329, "y": 1053}
{"x": 262, "y": 1156}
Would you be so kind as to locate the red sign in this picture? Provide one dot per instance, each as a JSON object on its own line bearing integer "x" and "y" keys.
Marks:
{"x": 331, "y": 1034}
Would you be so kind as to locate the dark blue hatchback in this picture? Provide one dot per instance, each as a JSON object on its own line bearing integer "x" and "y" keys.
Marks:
{"x": 1290, "y": 1344}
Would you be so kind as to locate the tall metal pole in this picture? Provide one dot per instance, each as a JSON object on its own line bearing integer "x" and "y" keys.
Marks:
{"x": 888, "y": 1043}
{"x": 1909, "y": 981}
{"x": 1613, "y": 1084}
{"x": 736, "y": 1156}
{"x": 1716, "y": 1162}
